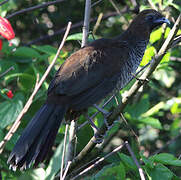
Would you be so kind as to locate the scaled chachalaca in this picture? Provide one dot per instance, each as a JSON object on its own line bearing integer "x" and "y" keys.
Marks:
{"x": 86, "y": 77}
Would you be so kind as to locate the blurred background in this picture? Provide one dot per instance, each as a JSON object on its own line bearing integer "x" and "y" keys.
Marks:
{"x": 154, "y": 115}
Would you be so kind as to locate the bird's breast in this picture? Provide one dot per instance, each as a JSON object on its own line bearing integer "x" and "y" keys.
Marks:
{"x": 130, "y": 66}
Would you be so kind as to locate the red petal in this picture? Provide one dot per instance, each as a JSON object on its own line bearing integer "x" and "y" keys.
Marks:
{"x": 1, "y": 44}
{"x": 6, "y": 29}
{"x": 10, "y": 94}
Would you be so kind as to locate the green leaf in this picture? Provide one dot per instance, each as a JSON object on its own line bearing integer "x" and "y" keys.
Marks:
{"x": 167, "y": 32}
{"x": 128, "y": 162}
{"x": 165, "y": 58}
{"x": 159, "y": 172}
{"x": 167, "y": 159}
{"x": 55, "y": 163}
{"x": 9, "y": 110}
{"x": 151, "y": 121}
{"x": 156, "y": 35}
{"x": 28, "y": 77}
{"x": 166, "y": 78}
{"x": 112, "y": 172}
{"x": 149, "y": 53}
{"x": 26, "y": 52}
{"x": 176, "y": 107}
{"x": 154, "y": 109}
{"x": 1, "y": 135}
{"x": 4, "y": 65}
{"x": 36, "y": 174}
{"x": 47, "y": 49}
{"x": 139, "y": 108}
{"x": 175, "y": 127}
{"x": 122, "y": 171}
{"x": 78, "y": 36}
{"x": 10, "y": 144}
{"x": 176, "y": 6}
{"x": 148, "y": 162}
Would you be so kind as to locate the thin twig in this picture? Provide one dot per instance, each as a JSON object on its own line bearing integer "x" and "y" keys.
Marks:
{"x": 97, "y": 23}
{"x": 30, "y": 100}
{"x": 72, "y": 137}
{"x": 173, "y": 58}
{"x": 71, "y": 151}
{"x": 141, "y": 172}
{"x": 43, "y": 5}
{"x": 99, "y": 161}
{"x": 37, "y": 79}
{"x": 4, "y": 73}
{"x": 64, "y": 151}
{"x": 97, "y": 2}
{"x": 176, "y": 41}
{"x": 5, "y": 1}
{"x": 66, "y": 170}
{"x": 124, "y": 119}
{"x": 115, "y": 7}
{"x": 83, "y": 167}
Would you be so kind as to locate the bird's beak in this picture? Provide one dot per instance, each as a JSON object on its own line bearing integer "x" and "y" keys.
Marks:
{"x": 162, "y": 20}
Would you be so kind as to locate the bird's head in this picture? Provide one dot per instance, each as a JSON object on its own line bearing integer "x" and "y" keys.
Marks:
{"x": 146, "y": 21}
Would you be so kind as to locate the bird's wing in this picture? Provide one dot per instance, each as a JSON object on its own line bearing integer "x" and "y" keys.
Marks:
{"x": 89, "y": 66}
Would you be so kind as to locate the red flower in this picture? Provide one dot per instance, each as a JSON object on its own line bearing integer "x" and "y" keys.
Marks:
{"x": 6, "y": 29}
{"x": 10, "y": 94}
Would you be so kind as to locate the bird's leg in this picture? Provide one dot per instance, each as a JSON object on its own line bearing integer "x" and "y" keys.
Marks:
{"x": 99, "y": 138}
{"x": 141, "y": 80}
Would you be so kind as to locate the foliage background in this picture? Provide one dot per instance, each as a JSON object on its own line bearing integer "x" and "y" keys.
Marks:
{"x": 154, "y": 115}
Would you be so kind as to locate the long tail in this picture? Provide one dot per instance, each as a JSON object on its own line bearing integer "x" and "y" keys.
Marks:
{"x": 38, "y": 137}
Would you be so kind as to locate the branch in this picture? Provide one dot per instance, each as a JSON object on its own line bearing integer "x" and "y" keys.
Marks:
{"x": 64, "y": 151}
{"x": 98, "y": 162}
{"x": 72, "y": 143}
{"x": 4, "y": 73}
{"x": 141, "y": 172}
{"x": 5, "y": 1}
{"x": 85, "y": 29}
{"x": 125, "y": 100}
{"x": 30, "y": 100}
{"x": 71, "y": 150}
{"x": 43, "y": 5}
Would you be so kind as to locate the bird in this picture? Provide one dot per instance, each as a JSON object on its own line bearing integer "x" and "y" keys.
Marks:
{"x": 84, "y": 79}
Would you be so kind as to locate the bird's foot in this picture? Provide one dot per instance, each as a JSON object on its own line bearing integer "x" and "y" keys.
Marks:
{"x": 108, "y": 126}
{"x": 98, "y": 138}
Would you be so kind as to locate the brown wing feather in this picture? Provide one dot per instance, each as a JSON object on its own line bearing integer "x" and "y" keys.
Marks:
{"x": 89, "y": 66}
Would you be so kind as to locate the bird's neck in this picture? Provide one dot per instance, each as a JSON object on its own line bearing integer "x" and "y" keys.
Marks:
{"x": 136, "y": 34}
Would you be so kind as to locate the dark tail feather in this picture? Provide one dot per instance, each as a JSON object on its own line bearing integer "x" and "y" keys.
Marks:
{"x": 38, "y": 137}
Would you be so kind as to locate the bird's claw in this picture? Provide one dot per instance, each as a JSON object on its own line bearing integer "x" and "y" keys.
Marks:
{"x": 142, "y": 81}
{"x": 98, "y": 138}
